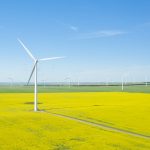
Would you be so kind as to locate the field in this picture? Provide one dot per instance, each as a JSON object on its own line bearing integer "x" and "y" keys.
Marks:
{"x": 58, "y": 89}
{"x": 23, "y": 129}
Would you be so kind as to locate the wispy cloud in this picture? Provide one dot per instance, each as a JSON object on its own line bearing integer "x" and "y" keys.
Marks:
{"x": 101, "y": 33}
{"x": 69, "y": 26}
{"x": 74, "y": 28}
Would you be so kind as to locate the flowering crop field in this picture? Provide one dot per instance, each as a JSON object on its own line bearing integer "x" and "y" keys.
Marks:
{"x": 23, "y": 129}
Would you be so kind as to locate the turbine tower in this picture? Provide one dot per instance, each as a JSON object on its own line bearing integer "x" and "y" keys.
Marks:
{"x": 11, "y": 81}
{"x": 34, "y": 70}
{"x": 146, "y": 81}
{"x": 122, "y": 83}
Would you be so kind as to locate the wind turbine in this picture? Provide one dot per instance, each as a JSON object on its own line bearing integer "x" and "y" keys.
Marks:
{"x": 44, "y": 82}
{"x": 11, "y": 81}
{"x": 34, "y": 70}
{"x": 78, "y": 82}
{"x": 123, "y": 81}
{"x": 122, "y": 84}
{"x": 69, "y": 80}
{"x": 146, "y": 81}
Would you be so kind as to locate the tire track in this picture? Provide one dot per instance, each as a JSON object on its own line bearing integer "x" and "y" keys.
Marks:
{"x": 102, "y": 126}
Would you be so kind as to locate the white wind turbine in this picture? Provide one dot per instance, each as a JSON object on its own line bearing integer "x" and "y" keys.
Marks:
{"x": 146, "y": 81}
{"x": 123, "y": 81}
{"x": 11, "y": 81}
{"x": 34, "y": 70}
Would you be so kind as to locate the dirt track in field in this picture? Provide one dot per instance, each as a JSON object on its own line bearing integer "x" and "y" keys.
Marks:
{"x": 104, "y": 127}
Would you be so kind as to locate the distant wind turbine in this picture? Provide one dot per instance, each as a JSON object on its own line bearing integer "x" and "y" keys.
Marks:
{"x": 11, "y": 81}
{"x": 69, "y": 79}
{"x": 34, "y": 70}
{"x": 123, "y": 81}
{"x": 145, "y": 80}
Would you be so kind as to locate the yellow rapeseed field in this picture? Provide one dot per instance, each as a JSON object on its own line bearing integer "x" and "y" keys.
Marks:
{"x": 23, "y": 129}
{"x": 123, "y": 110}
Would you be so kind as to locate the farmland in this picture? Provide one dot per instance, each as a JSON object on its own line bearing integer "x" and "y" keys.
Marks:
{"x": 84, "y": 88}
{"x": 23, "y": 129}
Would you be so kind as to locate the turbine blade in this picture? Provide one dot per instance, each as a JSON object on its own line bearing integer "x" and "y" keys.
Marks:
{"x": 51, "y": 58}
{"x": 27, "y": 50}
{"x": 31, "y": 73}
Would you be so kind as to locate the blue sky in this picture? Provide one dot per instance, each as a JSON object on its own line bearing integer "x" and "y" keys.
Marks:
{"x": 101, "y": 39}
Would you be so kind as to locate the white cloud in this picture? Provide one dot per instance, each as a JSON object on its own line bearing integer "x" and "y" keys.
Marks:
{"x": 74, "y": 28}
{"x": 101, "y": 33}
{"x": 69, "y": 26}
